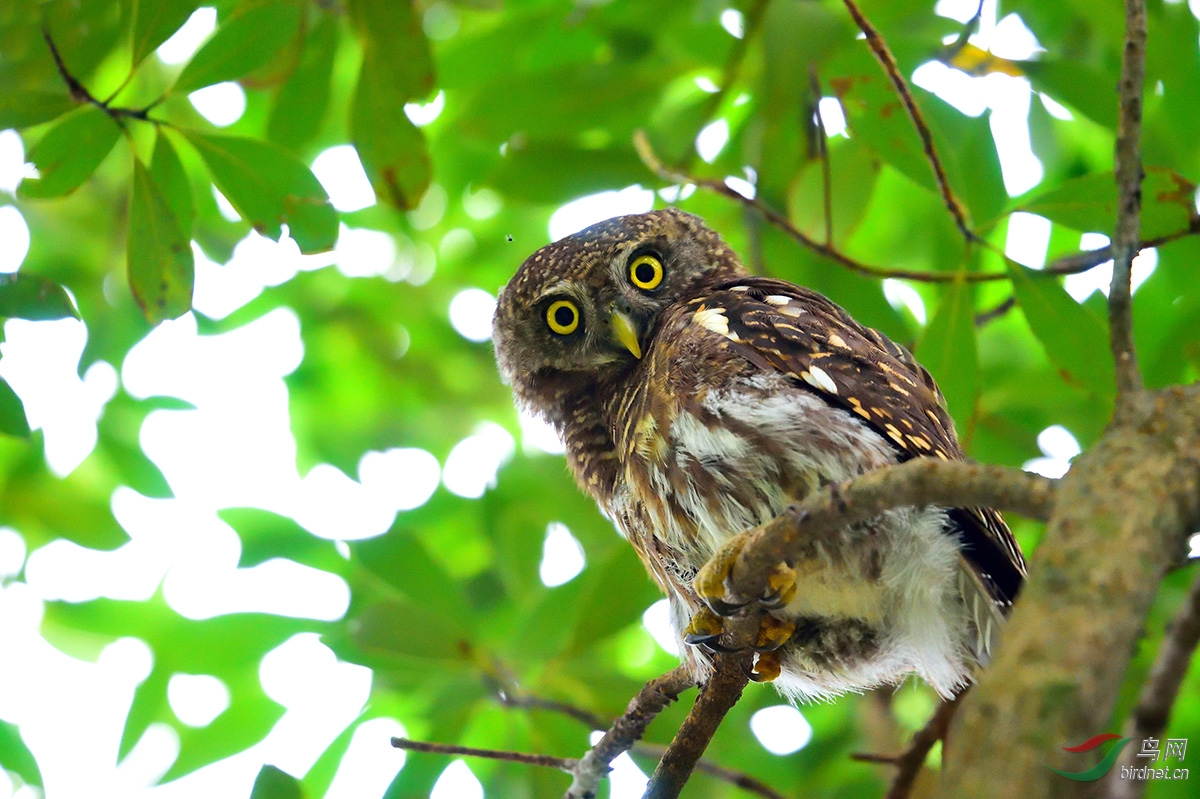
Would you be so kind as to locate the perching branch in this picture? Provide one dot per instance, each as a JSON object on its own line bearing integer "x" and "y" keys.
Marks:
{"x": 736, "y": 778}
{"x": 920, "y": 482}
{"x": 627, "y": 730}
{"x": 1149, "y": 718}
{"x": 717, "y": 696}
{"x": 911, "y": 760}
{"x": 1129, "y": 174}
{"x": 885, "y": 58}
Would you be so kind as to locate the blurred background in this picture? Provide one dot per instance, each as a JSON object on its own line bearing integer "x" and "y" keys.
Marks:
{"x": 300, "y": 515}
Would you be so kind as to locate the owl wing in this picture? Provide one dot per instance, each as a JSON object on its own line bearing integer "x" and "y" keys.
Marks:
{"x": 785, "y": 328}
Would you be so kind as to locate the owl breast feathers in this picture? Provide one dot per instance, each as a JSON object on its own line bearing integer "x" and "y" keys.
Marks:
{"x": 697, "y": 402}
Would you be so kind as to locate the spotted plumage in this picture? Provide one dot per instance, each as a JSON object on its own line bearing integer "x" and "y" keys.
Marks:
{"x": 697, "y": 401}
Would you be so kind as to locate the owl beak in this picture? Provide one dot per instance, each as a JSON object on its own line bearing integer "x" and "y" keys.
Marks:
{"x": 625, "y": 332}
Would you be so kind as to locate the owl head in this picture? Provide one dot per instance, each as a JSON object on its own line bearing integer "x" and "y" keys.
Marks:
{"x": 579, "y": 312}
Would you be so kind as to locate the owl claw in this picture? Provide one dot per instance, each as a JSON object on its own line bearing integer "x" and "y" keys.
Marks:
{"x": 712, "y": 581}
{"x": 704, "y": 628}
{"x": 767, "y": 667}
{"x": 772, "y": 634}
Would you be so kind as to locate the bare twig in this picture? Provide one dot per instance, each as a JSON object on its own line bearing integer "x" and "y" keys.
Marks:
{"x": 885, "y": 58}
{"x": 655, "y": 752}
{"x": 733, "y": 65}
{"x": 1129, "y": 174}
{"x": 561, "y": 763}
{"x": 1149, "y": 718}
{"x": 626, "y": 730}
{"x": 593, "y": 721}
{"x": 737, "y": 778}
{"x": 910, "y": 761}
{"x": 1068, "y": 265}
{"x": 984, "y": 317}
{"x": 823, "y": 154}
{"x": 717, "y": 696}
{"x": 920, "y": 482}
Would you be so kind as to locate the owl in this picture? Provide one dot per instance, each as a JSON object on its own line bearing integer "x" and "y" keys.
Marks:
{"x": 697, "y": 402}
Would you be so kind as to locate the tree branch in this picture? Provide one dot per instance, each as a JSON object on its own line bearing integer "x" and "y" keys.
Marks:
{"x": 911, "y": 760}
{"x": 920, "y": 482}
{"x": 736, "y": 778}
{"x": 1129, "y": 174}
{"x": 1149, "y": 718}
{"x": 717, "y": 696}
{"x": 885, "y": 58}
{"x": 593, "y": 721}
{"x": 823, "y": 154}
{"x": 561, "y": 763}
{"x": 626, "y": 730}
{"x": 1068, "y": 265}
{"x": 1121, "y": 520}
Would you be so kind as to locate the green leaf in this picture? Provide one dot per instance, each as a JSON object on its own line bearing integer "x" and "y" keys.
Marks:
{"x": 12, "y": 412}
{"x": 391, "y": 147}
{"x": 1077, "y": 84}
{"x": 15, "y": 756}
{"x": 397, "y": 67}
{"x": 393, "y": 42}
{"x": 161, "y": 264}
{"x": 35, "y": 298}
{"x": 948, "y": 350}
{"x": 241, "y": 44}
{"x": 266, "y": 535}
{"x": 70, "y": 152}
{"x": 270, "y": 188}
{"x": 1089, "y": 203}
{"x": 23, "y": 109}
{"x": 273, "y": 783}
{"x": 1075, "y": 339}
{"x": 301, "y": 103}
{"x": 153, "y": 23}
{"x": 170, "y": 176}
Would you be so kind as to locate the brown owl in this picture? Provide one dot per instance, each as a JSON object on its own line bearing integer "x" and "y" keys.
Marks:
{"x": 697, "y": 402}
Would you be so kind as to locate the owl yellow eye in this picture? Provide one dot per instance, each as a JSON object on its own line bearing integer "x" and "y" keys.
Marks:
{"x": 646, "y": 272}
{"x": 563, "y": 317}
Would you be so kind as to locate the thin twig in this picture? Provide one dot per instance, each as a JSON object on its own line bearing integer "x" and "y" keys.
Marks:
{"x": 733, "y": 66}
{"x": 970, "y": 28}
{"x": 984, "y": 317}
{"x": 560, "y": 763}
{"x": 910, "y": 761}
{"x": 1129, "y": 174}
{"x": 655, "y": 752}
{"x": 736, "y": 778}
{"x": 885, "y": 58}
{"x": 1068, "y": 265}
{"x": 627, "y": 729}
{"x": 80, "y": 94}
{"x": 717, "y": 696}
{"x": 823, "y": 154}
{"x": 1149, "y": 718}
{"x": 592, "y": 721}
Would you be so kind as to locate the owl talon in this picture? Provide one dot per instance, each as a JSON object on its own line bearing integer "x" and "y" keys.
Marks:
{"x": 710, "y": 581}
{"x": 773, "y": 633}
{"x": 704, "y": 628}
{"x": 781, "y": 588}
{"x": 767, "y": 667}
